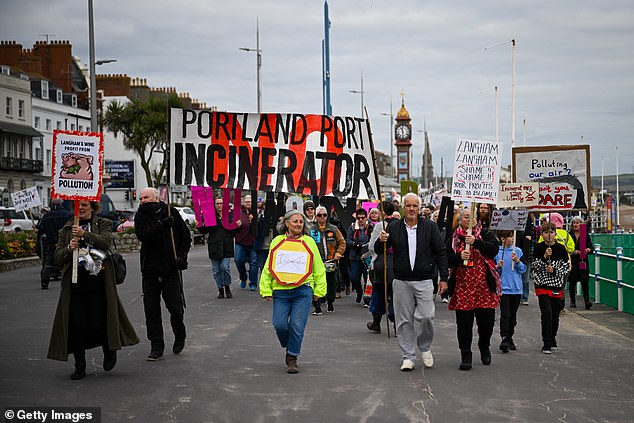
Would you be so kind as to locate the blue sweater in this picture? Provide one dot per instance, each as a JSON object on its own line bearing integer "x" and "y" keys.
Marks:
{"x": 511, "y": 279}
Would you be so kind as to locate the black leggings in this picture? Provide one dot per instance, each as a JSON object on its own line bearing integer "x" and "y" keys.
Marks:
{"x": 485, "y": 319}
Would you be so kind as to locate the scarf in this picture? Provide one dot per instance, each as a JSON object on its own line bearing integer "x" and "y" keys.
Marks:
{"x": 458, "y": 245}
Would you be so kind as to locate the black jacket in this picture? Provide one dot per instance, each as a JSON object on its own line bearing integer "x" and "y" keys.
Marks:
{"x": 430, "y": 250}
{"x": 219, "y": 241}
{"x": 152, "y": 229}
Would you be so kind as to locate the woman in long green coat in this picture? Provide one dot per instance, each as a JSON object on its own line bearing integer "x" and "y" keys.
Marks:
{"x": 89, "y": 313}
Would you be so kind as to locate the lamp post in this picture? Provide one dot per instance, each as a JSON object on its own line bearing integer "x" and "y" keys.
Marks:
{"x": 360, "y": 92}
{"x": 93, "y": 79}
{"x": 391, "y": 116}
{"x": 259, "y": 62}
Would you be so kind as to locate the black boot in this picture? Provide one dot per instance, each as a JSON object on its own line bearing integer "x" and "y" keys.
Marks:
{"x": 80, "y": 366}
{"x": 375, "y": 324}
{"x": 109, "y": 358}
{"x": 221, "y": 293}
{"x": 465, "y": 364}
{"x": 228, "y": 291}
{"x": 485, "y": 356}
{"x": 586, "y": 299}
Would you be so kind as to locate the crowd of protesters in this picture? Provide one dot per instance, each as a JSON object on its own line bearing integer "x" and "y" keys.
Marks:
{"x": 397, "y": 259}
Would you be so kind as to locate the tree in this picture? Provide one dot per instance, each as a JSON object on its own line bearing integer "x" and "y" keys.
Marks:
{"x": 144, "y": 127}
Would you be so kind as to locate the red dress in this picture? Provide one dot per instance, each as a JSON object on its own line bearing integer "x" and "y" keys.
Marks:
{"x": 471, "y": 289}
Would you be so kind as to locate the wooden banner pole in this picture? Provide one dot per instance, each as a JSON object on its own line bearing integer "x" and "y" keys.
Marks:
{"x": 471, "y": 220}
{"x": 75, "y": 251}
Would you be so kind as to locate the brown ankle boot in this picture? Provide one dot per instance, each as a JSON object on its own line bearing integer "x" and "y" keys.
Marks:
{"x": 291, "y": 361}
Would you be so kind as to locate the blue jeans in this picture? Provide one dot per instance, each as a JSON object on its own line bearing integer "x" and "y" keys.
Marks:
{"x": 246, "y": 253}
{"x": 291, "y": 308}
{"x": 221, "y": 272}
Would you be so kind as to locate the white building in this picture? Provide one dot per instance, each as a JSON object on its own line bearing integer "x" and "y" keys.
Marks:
{"x": 18, "y": 162}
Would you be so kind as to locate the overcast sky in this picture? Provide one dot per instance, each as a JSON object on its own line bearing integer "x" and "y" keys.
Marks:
{"x": 574, "y": 62}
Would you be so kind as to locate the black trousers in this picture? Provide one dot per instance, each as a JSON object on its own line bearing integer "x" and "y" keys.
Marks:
{"x": 509, "y": 303}
{"x": 485, "y": 319}
{"x": 579, "y": 276}
{"x": 550, "y": 309}
{"x": 169, "y": 288}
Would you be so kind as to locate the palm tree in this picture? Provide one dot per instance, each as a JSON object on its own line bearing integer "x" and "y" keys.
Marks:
{"x": 144, "y": 127}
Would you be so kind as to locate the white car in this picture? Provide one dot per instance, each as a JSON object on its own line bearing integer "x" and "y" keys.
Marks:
{"x": 188, "y": 215}
{"x": 15, "y": 221}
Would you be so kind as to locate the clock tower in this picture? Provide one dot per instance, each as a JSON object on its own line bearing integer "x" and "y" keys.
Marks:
{"x": 403, "y": 142}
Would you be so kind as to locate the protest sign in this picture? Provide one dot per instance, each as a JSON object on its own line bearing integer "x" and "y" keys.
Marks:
{"x": 26, "y": 199}
{"x": 563, "y": 173}
{"x": 508, "y": 220}
{"x": 369, "y": 205}
{"x": 293, "y": 153}
{"x": 476, "y": 172}
{"x": 77, "y": 165}
{"x": 519, "y": 194}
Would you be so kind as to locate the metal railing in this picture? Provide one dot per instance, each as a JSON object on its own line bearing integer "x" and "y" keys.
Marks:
{"x": 619, "y": 274}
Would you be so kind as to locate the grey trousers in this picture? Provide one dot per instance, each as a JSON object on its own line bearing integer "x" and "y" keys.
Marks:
{"x": 415, "y": 310}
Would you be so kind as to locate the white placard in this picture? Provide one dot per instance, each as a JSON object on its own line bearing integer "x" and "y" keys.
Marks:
{"x": 26, "y": 199}
{"x": 476, "y": 172}
{"x": 519, "y": 194}
{"x": 508, "y": 220}
{"x": 291, "y": 262}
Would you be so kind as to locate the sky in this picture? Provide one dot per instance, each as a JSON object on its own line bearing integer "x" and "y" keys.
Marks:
{"x": 574, "y": 63}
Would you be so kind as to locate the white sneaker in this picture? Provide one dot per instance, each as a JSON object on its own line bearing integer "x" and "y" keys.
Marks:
{"x": 444, "y": 300}
{"x": 407, "y": 365}
{"x": 428, "y": 359}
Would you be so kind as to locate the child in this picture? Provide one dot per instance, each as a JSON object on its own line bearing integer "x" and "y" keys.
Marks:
{"x": 511, "y": 269}
{"x": 550, "y": 268}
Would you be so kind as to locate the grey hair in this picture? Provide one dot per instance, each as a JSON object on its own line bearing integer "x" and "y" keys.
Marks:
{"x": 154, "y": 192}
{"x": 321, "y": 209}
{"x": 411, "y": 195}
{"x": 281, "y": 226}
{"x": 575, "y": 219}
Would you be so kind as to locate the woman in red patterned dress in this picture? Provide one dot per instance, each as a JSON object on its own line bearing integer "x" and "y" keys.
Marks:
{"x": 474, "y": 287}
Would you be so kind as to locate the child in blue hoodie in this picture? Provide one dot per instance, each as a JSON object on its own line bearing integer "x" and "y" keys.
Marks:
{"x": 510, "y": 268}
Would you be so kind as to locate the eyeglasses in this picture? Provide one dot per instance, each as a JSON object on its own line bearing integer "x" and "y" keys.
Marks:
{"x": 322, "y": 215}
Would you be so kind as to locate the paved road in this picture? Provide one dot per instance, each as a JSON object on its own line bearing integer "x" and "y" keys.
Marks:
{"x": 232, "y": 367}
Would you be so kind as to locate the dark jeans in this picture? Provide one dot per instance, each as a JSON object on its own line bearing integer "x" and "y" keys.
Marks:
{"x": 509, "y": 303}
{"x": 49, "y": 268}
{"x": 331, "y": 289}
{"x": 357, "y": 272}
{"x": 550, "y": 308}
{"x": 169, "y": 288}
{"x": 377, "y": 302}
{"x": 485, "y": 319}
{"x": 343, "y": 273}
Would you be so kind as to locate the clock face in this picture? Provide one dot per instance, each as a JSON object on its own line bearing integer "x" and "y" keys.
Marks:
{"x": 402, "y": 132}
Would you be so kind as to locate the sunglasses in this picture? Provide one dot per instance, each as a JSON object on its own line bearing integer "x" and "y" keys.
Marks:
{"x": 322, "y": 215}
{"x": 361, "y": 217}
{"x": 310, "y": 208}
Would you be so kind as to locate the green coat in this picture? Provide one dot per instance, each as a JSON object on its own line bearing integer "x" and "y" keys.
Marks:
{"x": 119, "y": 329}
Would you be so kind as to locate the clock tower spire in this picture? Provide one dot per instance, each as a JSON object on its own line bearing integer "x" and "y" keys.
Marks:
{"x": 403, "y": 141}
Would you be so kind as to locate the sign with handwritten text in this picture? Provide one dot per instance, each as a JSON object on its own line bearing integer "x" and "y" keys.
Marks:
{"x": 476, "y": 172}
{"x": 508, "y": 220}
{"x": 26, "y": 199}
{"x": 563, "y": 173}
{"x": 519, "y": 194}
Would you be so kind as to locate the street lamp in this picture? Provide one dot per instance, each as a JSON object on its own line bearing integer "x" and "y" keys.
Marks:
{"x": 104, "y": 61}
{"x": 391, "y": 116}
{"x": 259, "y": 63}
{"x": 360, "y": 92}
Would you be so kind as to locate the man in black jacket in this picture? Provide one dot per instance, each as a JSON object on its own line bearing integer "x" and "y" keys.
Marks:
{"x": 165, "y": 242}
{"x": 417, "y": 246}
